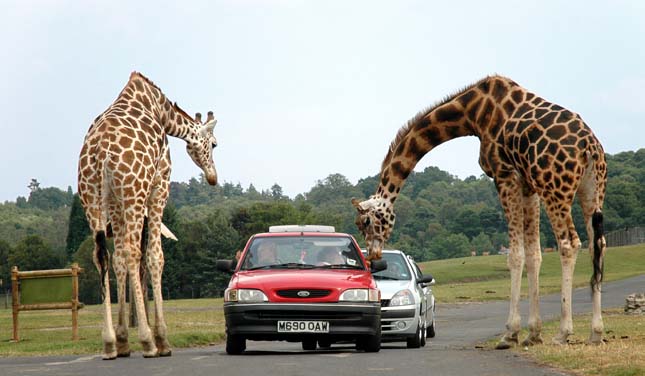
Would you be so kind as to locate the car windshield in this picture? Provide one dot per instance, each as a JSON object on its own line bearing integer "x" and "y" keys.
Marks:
{"x": 302, "y": 252}
{"x": 397, "y": 268}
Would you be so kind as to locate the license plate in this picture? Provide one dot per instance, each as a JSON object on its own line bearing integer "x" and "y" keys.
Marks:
{"x": 303, "y": 327}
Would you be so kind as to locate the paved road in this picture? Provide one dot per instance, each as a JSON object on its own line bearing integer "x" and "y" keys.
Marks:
{"x": 460, "y": 327}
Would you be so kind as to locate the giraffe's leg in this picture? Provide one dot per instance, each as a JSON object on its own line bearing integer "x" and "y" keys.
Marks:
{"x": 510, "y": 193}
{"x": 560, "y": 216}
{"x": 101, "y": 258}
{"x": 133, "y": 261}
{"x": 155, "y": 261}
{"x": 102, "y": 261}
{"x": 121, "y": 271}
{"x": 533, "y": 264}
{"x": 588, "y": 196}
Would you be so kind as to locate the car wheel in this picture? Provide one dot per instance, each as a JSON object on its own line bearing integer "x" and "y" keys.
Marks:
{"x": 423, "y": 336}
{"x": 430, "y": 330}
{"x": 324, "y": 344}
{"x": 415, "y": 341}
{"x": 235, "y": 344}
{"x": 369, "y": 343}
{"x": 309, "y": 344}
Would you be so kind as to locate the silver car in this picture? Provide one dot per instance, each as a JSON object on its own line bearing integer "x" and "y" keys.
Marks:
{"x": 407, "y": 302}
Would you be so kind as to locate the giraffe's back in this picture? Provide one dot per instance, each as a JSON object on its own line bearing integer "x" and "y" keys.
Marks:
{"x": 549, "y": 145}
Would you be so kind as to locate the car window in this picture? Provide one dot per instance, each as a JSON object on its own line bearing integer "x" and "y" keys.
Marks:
{"x": 397, "y": 268}
{"x": 277, "y": 251}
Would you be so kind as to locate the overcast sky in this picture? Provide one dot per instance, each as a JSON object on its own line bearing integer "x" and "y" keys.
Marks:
{"x": 304, "y": 89}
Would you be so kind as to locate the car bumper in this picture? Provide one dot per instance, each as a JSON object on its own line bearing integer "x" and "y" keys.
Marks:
{"x": 399, "y": 322}
{"x": 260, "y": 321}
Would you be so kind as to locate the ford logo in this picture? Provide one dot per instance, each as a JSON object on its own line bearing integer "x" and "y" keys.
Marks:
{"x": 303, "y": 294}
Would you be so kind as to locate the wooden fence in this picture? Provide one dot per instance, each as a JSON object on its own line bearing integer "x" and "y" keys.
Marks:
{"x": 45, "y": 289}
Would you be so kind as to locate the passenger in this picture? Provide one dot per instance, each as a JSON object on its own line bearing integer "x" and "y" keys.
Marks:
{"x": 330, "y": 256}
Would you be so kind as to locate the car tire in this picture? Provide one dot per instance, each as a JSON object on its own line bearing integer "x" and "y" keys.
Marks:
{"x": 324, "y": 344}
{"x": 423, "y": 336}
{"x": 431, "y": 330}
{"x": 309, "y": 344}
{"x": 369, "y": 343}
{"x": 235, "y": 345}
{"x": 415, "y": 341}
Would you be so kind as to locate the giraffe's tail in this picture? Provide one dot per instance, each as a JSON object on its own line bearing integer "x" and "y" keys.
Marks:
{"x": 598, "y": 250}
{"x": 102, "y": 257}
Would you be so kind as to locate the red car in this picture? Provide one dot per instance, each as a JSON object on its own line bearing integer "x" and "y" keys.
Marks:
{"x": 305, "y": 284}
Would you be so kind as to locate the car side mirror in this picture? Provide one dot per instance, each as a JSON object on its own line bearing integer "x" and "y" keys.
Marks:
{"x": 427, "y": 280}
{"x": 378, "y": 265}
{"x": 226, "y": 265}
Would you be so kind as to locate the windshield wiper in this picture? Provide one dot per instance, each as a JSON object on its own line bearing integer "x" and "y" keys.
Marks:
{"x": 376, "y": 276}
{"x": 339, "y": 266}
{"x": 287, "y": 265}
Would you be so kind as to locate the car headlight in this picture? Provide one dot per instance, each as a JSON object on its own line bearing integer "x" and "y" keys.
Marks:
{"x": 401, "y": 298}
{"x": 360, "y": 295}
{"x": 245, "y": 296}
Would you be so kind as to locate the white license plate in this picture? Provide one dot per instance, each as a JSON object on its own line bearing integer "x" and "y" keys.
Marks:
{"x": 303, "y": 327}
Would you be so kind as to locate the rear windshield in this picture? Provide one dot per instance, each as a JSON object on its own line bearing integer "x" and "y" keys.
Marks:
{"x": 302, "y": 252}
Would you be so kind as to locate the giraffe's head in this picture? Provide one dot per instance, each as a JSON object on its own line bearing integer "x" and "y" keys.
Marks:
{"x": 375, "y": 221}
{"x": 200, "y": 148}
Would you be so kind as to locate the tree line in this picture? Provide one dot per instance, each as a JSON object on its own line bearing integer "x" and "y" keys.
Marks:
{"x": 438, "y": 216}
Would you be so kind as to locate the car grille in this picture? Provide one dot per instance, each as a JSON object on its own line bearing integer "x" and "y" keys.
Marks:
{"x": 303, "y": 315}
{"x": 293, "y": 293}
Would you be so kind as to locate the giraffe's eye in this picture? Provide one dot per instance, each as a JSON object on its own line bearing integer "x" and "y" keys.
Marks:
{"x": 214, "y": 145}
{"x": 366, "y": 222}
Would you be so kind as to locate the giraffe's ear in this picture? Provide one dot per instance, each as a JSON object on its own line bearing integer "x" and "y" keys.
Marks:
{"x": 207, "y": 129}
{"x": 360, "y": 206}
{"x": 198, "y": 118}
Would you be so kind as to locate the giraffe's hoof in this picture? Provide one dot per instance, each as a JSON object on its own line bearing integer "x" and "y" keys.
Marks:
{"x": 560, "y": 340}
{"x": 151, "y": 354}
{"x": 502, "y": 345}
{"x": 507, "y": 341}
{"x": 533, "y": 340}
{"x": 595, "y": 338}
{"x": 124, "y": 354}
{"x": 166, "y": 352}
{"x": 110, "y": 356}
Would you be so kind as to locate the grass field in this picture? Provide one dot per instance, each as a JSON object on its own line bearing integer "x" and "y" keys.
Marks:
{"x": 191, "y": 323}
{"x": 200, "y": 322}
{"x": 483, "y": 278}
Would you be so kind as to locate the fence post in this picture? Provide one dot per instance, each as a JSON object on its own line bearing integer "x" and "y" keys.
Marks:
{"x": 75, "y": 302}
{"x": 14, "y": 301}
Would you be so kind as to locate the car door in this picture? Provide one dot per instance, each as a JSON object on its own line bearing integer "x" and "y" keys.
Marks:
{"x": 424, "y": 291}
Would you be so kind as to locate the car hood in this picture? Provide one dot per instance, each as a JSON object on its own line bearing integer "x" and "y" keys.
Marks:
{"x": 303, "y": 279}
{"x": 389, "y": 288}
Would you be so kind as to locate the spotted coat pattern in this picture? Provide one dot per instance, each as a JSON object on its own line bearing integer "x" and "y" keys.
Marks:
{"x": 535, "y": 151}
{"x": 123, "y": 179}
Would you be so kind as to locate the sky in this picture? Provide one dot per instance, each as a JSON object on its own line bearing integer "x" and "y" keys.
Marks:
{"x": 304, "y": 89}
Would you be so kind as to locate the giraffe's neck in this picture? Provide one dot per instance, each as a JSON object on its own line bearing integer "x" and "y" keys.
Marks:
{"x": 471, "y": 112}
{"x": 174, "y": 120}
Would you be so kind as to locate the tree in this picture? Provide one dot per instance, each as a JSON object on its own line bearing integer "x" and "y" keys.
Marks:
{"x": 89, "y": 281}
{"x": 5, "y": 269}
{"x": 32, "y": 253}
{"x": 78, "y": 228}
{"x": 482, "y": 243}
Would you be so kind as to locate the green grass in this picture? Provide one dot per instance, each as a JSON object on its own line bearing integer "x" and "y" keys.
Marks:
{"x": 485, "y": 278}
{"x": 191, "y": 323}
{"x": 621, "y": 354}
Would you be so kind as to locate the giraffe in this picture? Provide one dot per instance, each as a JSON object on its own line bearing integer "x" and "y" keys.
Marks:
{"x": 123, "y": 178}
{"x": 534, "y": 151}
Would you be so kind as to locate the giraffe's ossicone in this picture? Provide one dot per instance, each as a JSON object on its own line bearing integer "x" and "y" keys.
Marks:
{"x": 123, "y": 183}
{"x": 535, "y": 152}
